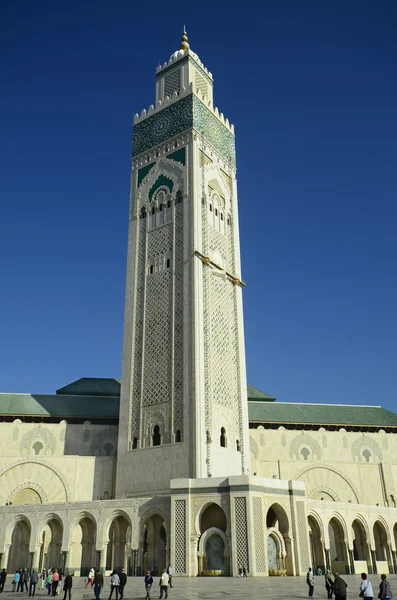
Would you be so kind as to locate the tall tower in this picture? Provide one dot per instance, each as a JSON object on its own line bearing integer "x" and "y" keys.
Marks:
{"x": 183, "y": 411}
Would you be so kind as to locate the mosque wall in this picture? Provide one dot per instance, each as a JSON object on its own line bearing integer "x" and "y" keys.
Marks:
{"x": 56, "y": 462}
{"x": 335, "y": 465}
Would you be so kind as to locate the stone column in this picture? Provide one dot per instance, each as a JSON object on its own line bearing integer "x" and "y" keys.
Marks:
{"x": 4, "y": 557}
{"x": 390, "y": 559}
{"x": 351, "y": 556}
{"x": 394, "y": 558}
{"x": 374, "y": 568}
{"x": 102, "y": 560}
{"x": 35, "y": 559}
{"x": 327, "y": 559}
{"x": 347, "y": 554}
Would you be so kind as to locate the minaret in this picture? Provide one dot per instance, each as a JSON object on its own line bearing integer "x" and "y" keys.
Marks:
{"x": 183, "y": 411}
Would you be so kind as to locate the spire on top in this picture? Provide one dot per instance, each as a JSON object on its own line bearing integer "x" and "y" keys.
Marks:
{"x": 184, "y": 41}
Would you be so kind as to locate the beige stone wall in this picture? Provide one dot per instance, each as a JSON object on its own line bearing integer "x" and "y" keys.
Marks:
{"x": 56, "y": 462}
{"x": 335, "y": 465}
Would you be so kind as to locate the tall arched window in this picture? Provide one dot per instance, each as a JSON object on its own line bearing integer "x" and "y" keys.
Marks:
{"x": 37, "y": 447}
{"x": 135, "y": 443}
{"x": 238, "y": 445}
{"x": 223, "y": 437}
{"x": 156, "y": 436}
{"x": 178, "y": 435}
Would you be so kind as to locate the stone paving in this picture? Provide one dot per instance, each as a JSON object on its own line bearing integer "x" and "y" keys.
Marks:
{"x": 216, "y": 588}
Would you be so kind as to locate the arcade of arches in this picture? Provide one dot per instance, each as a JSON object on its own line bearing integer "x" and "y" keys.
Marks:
{"x": 125, "y": 534}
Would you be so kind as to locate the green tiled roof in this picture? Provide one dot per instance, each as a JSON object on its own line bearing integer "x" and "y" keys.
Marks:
{"x": 54, "y": 406}
{"x": 320, "y": 414}
{"x": 255, "y": 394}
{"x": 92, "y": 386}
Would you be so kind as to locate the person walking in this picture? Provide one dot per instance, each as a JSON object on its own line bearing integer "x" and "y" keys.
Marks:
{"x": 310, "y": 582}
{"x": 34, "y": 578}
{"x": 55, "y": 582}
{"x": 15, "y": 581}
{"x": 366, "y": 587}
{"x": 91, "y": 575}
{"x": 20, "y": 581}
{"x": 339, "y": 588}
{"x": 43, "y": 576}
{"x": 329, "y": 584}
{"x": 384, "y": 589}
{"x": 3, "y": 577}
{"x": 49, "y": 582}
{"x": 67, "y": 586}
{"x": 114, "y": 584}
{"x": 244, "y": 571}
{"x": 170, "y": 572}
{"x": 98, "y": 584}
{"x": 164, "y": 581}
{"x": 148, "y": 584}
{"x": 123, "y": 581}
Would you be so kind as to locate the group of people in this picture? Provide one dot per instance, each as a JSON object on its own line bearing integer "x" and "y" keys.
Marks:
{"x": 165, "y": 582}
{"x": 338, "y": 587}
{"x": 24, "y": 581}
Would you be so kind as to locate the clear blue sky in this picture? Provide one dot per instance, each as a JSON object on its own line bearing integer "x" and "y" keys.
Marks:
{"x": 312, "y": 90}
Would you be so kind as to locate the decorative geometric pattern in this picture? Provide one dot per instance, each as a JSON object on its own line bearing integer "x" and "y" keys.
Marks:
{"x": 178, "y": 320}
{"x": 158, "y": 339}
{"x": 221, "y": 336}
{"x": 158, "y": 324}
{"x": 259, "y": 535}
{"x": 172, "y": 82}
{"x": 306, "y": 440}
{"x": 138, "y": 341}
{"x": 240, "y": 509}
{"x": 180, "y": 536}
{"x": 366, "y": 442}
{"x": 182, "y": 62}
{"x": 187, "y": 113}
{"x": 27, "y": 496}
{"x": 302, "y": 530}
{"x": 41, "y": 434}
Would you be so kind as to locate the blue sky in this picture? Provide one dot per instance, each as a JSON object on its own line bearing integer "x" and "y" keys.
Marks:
{"x": 312, "y": 90}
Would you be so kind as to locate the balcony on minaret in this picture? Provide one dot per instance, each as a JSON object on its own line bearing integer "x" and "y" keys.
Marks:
{"x": 184, "y": 69}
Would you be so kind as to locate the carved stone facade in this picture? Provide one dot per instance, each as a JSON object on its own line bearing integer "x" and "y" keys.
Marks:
{"x": 172, "y": 471}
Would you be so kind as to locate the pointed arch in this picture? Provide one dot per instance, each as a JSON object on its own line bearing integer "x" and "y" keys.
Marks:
{"x": 171, "y": 170}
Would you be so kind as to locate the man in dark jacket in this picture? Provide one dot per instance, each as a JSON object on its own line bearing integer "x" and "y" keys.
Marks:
{"x": 3, "y": 577}
{"x": 67, "y": 586}
{"x": 33, "y": 582}
{"x": 123, "y": 581}
{"x": 384, "y": 589}
{"x": 98, "y": 583}
{"x": 148, "y": 584}
{"x": 340, "y": 587}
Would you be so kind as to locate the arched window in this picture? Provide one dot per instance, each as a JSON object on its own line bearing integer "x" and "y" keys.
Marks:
{"x": 366, "y": 455}
{"x": 223, "y": 437}
{"x": 305, "y": 453}
{"x": 151, "y": 270}
{"x": 156, "y": 436}
{"x": 178, "y": 435}
{"x": 37, "y": 447}
{"x": 135, "y": 443}
{"x": 168, "y": 263}
{"x": 178, "y": 197}
{"x": 143, "y": 213}
{"x": 108, "y": 448}
{"x": 238, "y": 445}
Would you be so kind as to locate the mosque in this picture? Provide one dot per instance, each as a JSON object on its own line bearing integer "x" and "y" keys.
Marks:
{"x": 181, "y": 461}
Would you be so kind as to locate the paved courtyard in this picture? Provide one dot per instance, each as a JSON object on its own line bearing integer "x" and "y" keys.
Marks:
{"x": 218, "y": 588}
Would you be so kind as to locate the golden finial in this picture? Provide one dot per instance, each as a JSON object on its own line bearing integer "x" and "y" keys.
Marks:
{"x": 184, "y": 41}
